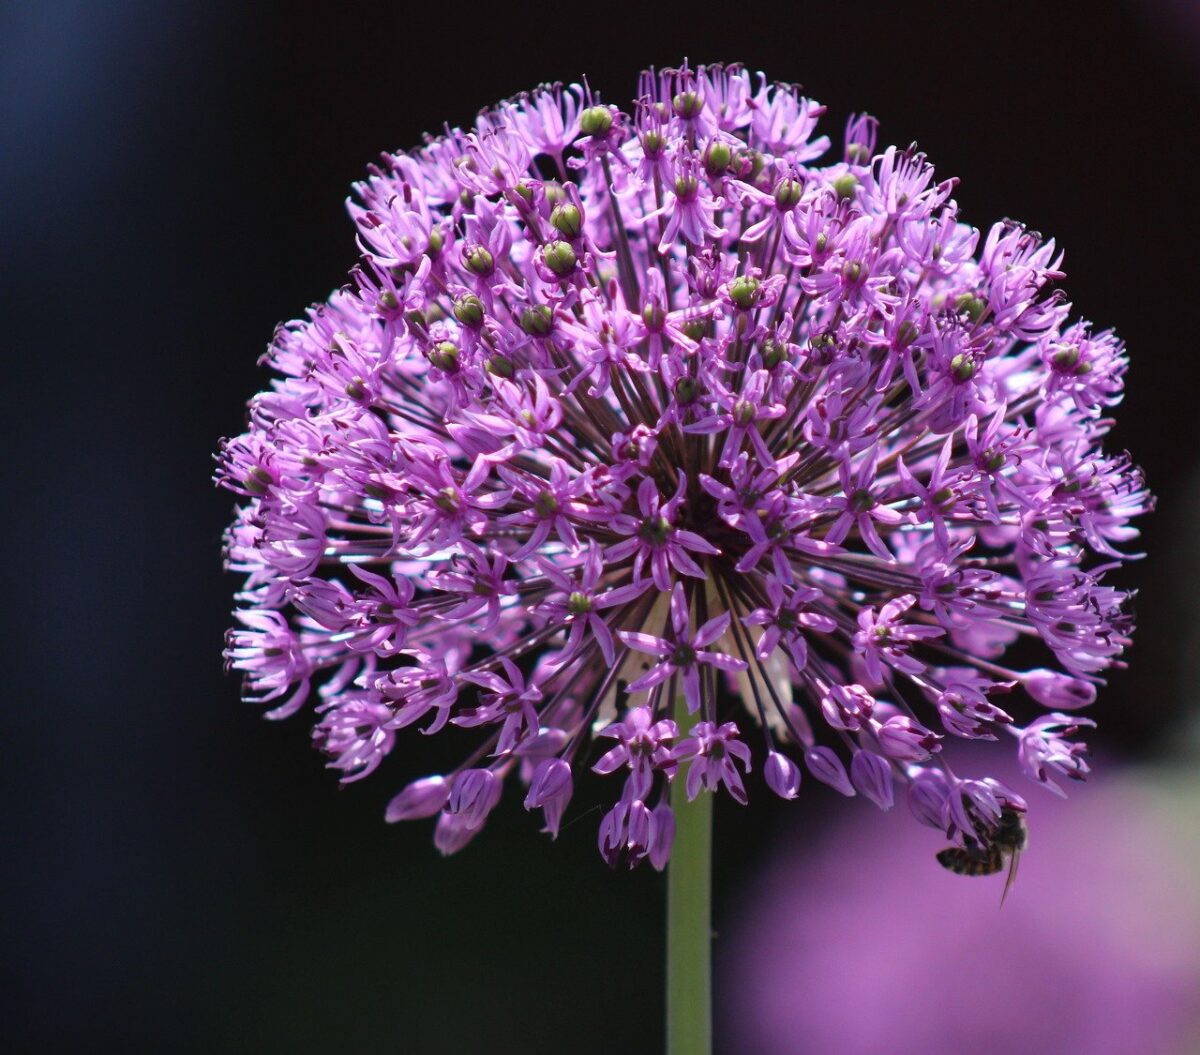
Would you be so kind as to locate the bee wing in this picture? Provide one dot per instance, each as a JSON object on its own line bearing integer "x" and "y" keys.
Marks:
{"x": 1013, "y": 860}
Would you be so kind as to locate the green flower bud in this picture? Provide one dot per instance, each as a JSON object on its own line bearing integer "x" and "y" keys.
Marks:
{"x": 972, "y": 305}
{"x": 545, "y": 505}
{"x": 257, "y": 480}
{"x": 743, "y": 412}
{"x": 687, "y": 391}
{"x": 773, "y": 353}
{"x": 567, "y": 219}
{"x": 991, "y": 459}
{"x": 525, "y": 191}
{"x": 388, "y": 301}
{"x": 560, "y": 258}
{"x": 696, "y": 329}
{"x": 688, "y": 105}
{"x": 596, "y": 121}
{"x": 907, "y": 333}
{"x": 652, "y": 144}
{"x": 862, "y": 501}
{"x": 852, "y": 270}
{"x": 445, "y": 357}
{"x": 686, "y": 187}
{"x": 499, "y": 366}
{"x": 479, "y": 260}
{"x": 448, "y": 501}
{"x": 962, "y": 367}
{"x": 788, "y": 192}
{"x": 1064, "y": 359}
{"x": 745, "y": 291}
{"x": 857, "y": 154}
{"x": 654, "y": 317}
{"x": 357, "y": 388}
{"x": 717, "y": 157}
{"x": 749, "y": 164}
{"x": 436, "y": 241}
{"x": 553, "y": 192}
{"x": 579, "y": 603}
{"x": 844, "y": 185}
{"x": 536, "y": 321}
{"x": 468, "y": 310}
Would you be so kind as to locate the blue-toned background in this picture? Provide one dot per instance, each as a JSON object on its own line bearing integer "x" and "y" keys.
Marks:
{"x": 181, "y": 876}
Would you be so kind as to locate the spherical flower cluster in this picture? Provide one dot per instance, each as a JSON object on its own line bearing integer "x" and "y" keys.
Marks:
{"x": 627, "y": 408}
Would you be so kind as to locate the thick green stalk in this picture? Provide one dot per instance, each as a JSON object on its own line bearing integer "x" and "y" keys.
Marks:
{"x": 689, "y": 915}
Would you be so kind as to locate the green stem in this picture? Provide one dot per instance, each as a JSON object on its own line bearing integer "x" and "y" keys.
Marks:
{"x": 689, "y": 915}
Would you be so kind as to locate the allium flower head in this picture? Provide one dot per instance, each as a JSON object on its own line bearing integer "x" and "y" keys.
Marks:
{"x": 626, "y": 406}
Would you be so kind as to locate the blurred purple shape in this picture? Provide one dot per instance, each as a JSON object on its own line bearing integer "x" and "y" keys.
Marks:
{"x": 861, "y": 944}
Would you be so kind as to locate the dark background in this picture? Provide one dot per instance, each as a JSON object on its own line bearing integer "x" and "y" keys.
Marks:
{"x": 183, "y": 876}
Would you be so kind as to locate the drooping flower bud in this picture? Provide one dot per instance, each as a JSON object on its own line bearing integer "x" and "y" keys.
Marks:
{"x": 872, "y": 776}
{"x": 550, "y": 790}
{"x": 782, "y": 775}
{"x": 1052, "y": 688}
{"x": 422, "y": 798}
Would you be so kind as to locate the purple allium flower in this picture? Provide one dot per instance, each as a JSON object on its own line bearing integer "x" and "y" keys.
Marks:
{"x": 622, "y": 407}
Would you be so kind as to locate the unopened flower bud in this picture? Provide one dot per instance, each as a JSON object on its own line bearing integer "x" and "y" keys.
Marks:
{"x": 550, "y": 790}
{"x": 782, "y": 775}
{"x": 857, "y": 154}
{"x": 687, "y": 390}
{"x": 567, "y": 219}
{"x": 560, "y": 258}
{"x": 745, "y": 291}
{"x": 905, "y": 739}
{"x": 479, "y": 260}
{"x": 688, "y": 104}
{"x": 662, "y": 836}
{"x": 962, "y": 367}
{"x": 773, "y": 353}
{"x": 1060, "y": 692}
{"x": 537, "y": 320}
{"x": 695, "y": 329}
{"x": 451, "y": 834}
{"x": 970, "y": 305}
{"x": 652, "y": 144}
{"x": 787, "y": 193}
{"x": 654, "y": 317}
{"x": 499, "y": 366}
{"x": 824, "y": 764}
{"x": 596, "y": 121}
{"x": 717, "y": 156}
{"x": 422, "y": 798}
{"x": 445, "y": 357}
{"x": 872, "y": 776}
{"x": 845, "y": 185}
{"x": 928, "y": 795}
{"x": 468, "y": 310}
{"x": 473, "y": 796}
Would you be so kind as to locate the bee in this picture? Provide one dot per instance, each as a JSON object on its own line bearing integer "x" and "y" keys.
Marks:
{"x": 1005, "y": 842}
